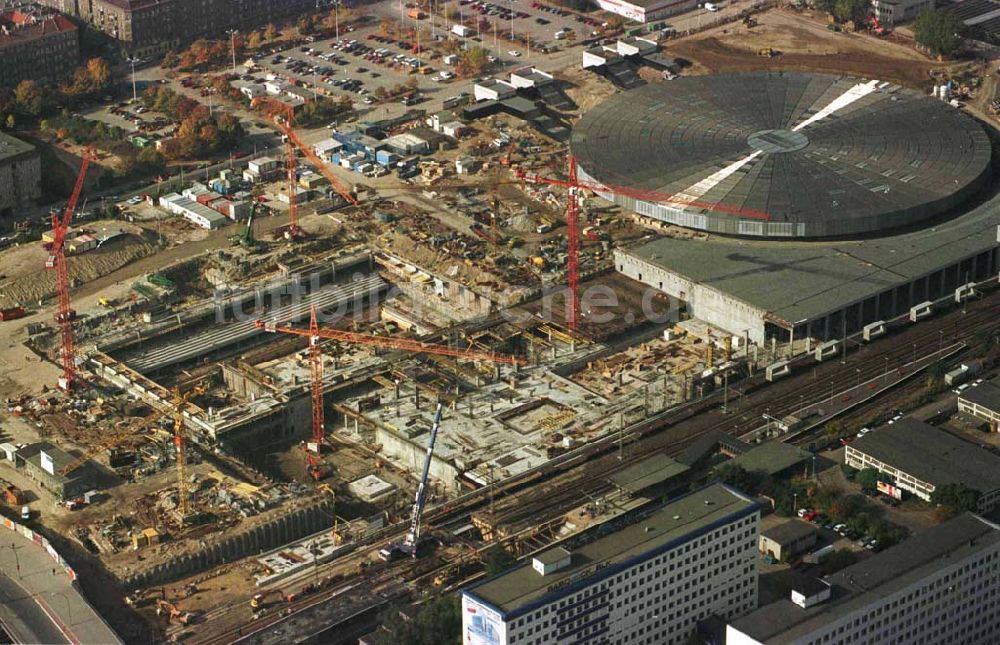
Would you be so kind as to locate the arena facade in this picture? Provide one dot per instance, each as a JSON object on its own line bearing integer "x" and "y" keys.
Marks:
{"x": 828, "y": 202}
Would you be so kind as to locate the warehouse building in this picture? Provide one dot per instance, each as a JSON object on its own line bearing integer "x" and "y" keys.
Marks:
{"x": 785, "y": 541}
{"x": 893, "y": 12}
{"x": 920, "y": 457}
{"x": 942, "y": 586}
{"x": 198, "y": 214}
{"x": 20, "y": 174}
{"x": 647, "y": 10}
{"x": 42, "y": 463}
{"x": 982, "y": 402}
{"x": 648, "y": 583}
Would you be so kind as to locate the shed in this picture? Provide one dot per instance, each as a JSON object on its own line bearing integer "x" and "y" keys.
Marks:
{"x": 785, "y": 541}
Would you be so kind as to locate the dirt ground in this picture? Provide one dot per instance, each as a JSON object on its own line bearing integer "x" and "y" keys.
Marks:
{"x": 585, "y": 88}
{"x": 24, "y": 280}
{"x": 803, "y": 43}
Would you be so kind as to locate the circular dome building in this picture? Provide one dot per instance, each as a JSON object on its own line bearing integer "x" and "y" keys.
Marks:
{"x": 783, "y": 155}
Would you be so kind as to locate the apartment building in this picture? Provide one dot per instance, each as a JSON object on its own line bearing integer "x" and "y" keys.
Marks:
{"x": 152, "y": 27}
{"x": 647, "y": 583}
{"x": 941, "y": 586}
{"x": 37, "y": 44}
{"x": 20, "y": 174}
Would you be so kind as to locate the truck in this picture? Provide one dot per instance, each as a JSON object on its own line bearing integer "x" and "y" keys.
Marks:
{"x": 12, "y": 313}
{"x": 416, "y": 14}
{"x": 819, "y": 555}
{"x": 461, "y": 30}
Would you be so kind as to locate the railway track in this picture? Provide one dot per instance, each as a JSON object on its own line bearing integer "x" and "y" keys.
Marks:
{"x": 552, "y": 490}
{"x": 560, "y": 495}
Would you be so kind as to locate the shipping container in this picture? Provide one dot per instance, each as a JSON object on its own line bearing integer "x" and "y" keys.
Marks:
{"x": 12, "y": 313}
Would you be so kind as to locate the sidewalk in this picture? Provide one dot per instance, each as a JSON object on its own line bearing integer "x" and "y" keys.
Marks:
{"x": 39, "y": 602}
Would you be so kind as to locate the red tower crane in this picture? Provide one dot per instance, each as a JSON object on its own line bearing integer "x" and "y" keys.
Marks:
{"x": 283, "y": 114}
{"x": 573, "y": 184}
{"x": 57, "y": 261}
{"x": 315, "y": 333}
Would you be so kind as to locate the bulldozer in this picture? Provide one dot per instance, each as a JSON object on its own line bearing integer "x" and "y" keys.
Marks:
{"x": 767, "y": 52}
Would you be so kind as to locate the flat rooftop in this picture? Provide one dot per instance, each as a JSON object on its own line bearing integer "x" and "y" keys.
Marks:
{"x": 985, "y": 394}
{"x": 932, "y": 455}
{"x": 828, "y": 276}
{"x": 789, "y": 532}
{"x": 13, "y": 147}
{"x": 522, "y": 588}
{"x": 648, "y": 472}
{"x": 771, "y": 458}
{"x": 873, "y": 579}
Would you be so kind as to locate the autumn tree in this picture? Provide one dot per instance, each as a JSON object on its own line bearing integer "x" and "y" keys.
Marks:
{"x": 99, "y": 73}
{"x": 473, "y": 61}
{"x": 29, "y": 96}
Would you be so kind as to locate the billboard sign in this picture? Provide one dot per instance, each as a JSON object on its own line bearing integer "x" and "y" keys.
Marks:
{"x": 890, "y": 490}
{"x": 481, "y": 625}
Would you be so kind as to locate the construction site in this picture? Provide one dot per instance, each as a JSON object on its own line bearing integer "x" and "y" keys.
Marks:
{"x": 211, "y": 405}
{"x": 238, "y": 399}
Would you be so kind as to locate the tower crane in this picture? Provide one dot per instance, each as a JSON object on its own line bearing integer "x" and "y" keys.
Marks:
{"x": 176, "y": 410}
{"x": 179, "y": 401}
{"x": 57, "y": 262}
{"x": 282, "y": 115}
{"x": 315, "y": 333}
{"x": 412, "y": 540}
{"x": 574, "y": 184}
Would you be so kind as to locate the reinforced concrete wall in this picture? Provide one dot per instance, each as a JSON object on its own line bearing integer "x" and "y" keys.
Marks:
{"x": 252, "y": 541}
{"x": 411, "y": 455}
{"x": 703, "y": 303}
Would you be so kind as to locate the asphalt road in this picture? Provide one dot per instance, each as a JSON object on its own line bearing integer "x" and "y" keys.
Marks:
{"x": 34, "y": 599}
{"x": 23, "y": 616}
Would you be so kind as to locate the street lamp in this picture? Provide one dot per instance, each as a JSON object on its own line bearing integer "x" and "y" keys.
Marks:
{"x": 232, "y": 45}
{"x": 336, "y": 19}
{"x": 133, "y": 61}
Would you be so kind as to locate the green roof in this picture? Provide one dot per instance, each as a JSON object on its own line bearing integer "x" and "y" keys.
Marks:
{"x": 648, "y": 472}
{"x": 771, "y": 458}
{"x": 678, "y": 521}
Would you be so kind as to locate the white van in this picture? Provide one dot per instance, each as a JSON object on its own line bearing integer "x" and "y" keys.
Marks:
{"x": 709, "y": 6}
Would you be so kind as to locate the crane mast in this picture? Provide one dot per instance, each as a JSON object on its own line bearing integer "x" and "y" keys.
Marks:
{"x": 413, "y": 536}
{"x": 573, "y": 185}
{"x": 57, "y": 261}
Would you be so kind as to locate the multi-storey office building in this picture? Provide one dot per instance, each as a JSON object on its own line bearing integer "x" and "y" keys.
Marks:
{"x": 941, "y": 586}
{"x": 647, "y": 583}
